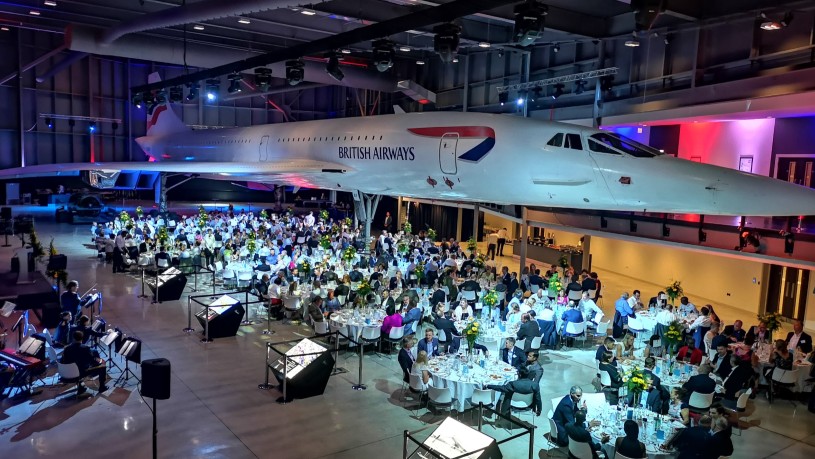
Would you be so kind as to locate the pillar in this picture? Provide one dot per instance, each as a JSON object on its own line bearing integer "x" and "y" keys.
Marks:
{"x": 400, "y": 212}
{"x": 476, "y": 212}
{"x": 586, "y": 252}
{"x": 524, "y": 238}
{"x": 161, "y": 192}
{"x": 459, "y": 221}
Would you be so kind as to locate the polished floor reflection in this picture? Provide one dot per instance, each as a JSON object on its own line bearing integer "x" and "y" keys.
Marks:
{"x": 217, "y": 411}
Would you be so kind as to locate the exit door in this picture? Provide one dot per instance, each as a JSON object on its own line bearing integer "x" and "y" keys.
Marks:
{"x": 447, "y": 153}
{"x": 264, "y": 148}
{"x": 787, "y": 291}
{"x": 796, "y": 170}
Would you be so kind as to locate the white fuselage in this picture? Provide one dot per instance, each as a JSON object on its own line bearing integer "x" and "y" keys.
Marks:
{"x": 381, "y": 156}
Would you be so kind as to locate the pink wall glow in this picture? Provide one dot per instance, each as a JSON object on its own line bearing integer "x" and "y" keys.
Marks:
{"x": 722, "y": 143}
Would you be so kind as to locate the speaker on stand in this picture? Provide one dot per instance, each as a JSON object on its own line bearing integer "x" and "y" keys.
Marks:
{"x": 155, "y": 384}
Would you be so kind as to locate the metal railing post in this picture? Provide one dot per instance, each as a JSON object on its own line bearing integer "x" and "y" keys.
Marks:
{"x": 142, "y": 283}
{"x": 360, "y": 386}
{"x": 206, "y": 338}
{"x": 266, "y": 385}
{"x": 189, "y": 328}
{"x": 284, "y": 400}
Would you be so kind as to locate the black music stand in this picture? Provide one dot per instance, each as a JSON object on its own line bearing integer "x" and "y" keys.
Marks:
{"x": 111, "y": 339}
{"x": 18, "y": 327}
{"x": 131, "y": 351}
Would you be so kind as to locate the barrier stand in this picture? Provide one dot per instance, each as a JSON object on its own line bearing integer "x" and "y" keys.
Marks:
{"x": 142, "y": 268}
{"x": 337, "y": 370}
{"x": 206, "y": 338}
{"x": 155, "y": 296}
{"x": 359, "y": 385}
{"x": 269, "y": 330}
{"x": 189, "y": 328}
{"x": 246, "y": 320}
{"x": 266, "y": 385}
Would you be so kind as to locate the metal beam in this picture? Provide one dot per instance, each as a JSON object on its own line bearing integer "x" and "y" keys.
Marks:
{"x": 556, "y": 80}
{"x": 277, "y": 90}
{"x": 444, "y": 13}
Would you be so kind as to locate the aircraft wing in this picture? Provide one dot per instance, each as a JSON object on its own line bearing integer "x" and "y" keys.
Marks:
{"x": 227, "y": 170}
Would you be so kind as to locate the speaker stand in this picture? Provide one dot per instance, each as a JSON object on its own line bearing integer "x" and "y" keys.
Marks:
{"x": 155, "y": 432}
{"x": 126, "y": 375}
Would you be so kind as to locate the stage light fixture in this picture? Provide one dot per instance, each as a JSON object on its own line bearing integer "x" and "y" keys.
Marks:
{"x": 503, "y": 97}
{"x": 295, "y": 72}
{"x": 446, "y": 41}
{"x": 558, "y": 91}
{"x": 198, "y": 27}
{"x": 529, "y": 19}
{"x": 176, "y": 94}
{"x": 192, "y": 91}
{"x": 789, "y": 242}
{"x": 235, "y": 80}
{"x": 161, "y": 96}
{"x": 580, "y": 86}
{"x": 536, "y": 94}
{"x": 345, "y": 51}
{"x": 50, "y": 123}
{"x": 420, "y": 62}
{"x": 332, "y": 67}
{"x": 521, "y": 98}
{"x": 404, "y": 49}
{"x": 771, "y": 25}
{"x": 455, "y": 60}
{"x": 666, "y": 230}
{"x": 556, "y": 48}
{"x": 213, "y": 86}
{"x": 383, "y": 54}
{"x": 92, "y": 127}
{"x": 500, "y": 53}
{"x": 607, "y": 84}
{"x": 263, "y": 78}
{"x": 484, "y": 44}
{"x": 138, "y": 100}
{"x": 633, "y": 42}
{"x": 646, "y": 12}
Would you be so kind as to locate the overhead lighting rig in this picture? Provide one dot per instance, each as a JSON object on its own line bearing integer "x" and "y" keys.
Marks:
{"x": 192, "y": 91}
{"x": 561, "y": 79}
{"x": 558, "y": 90}
{"x": 634, "y": 41}
{"x": 383, "y": 54}
{"x": 212, "y": 87}
{"x": 580, "y": 86}
{"x": 176, "y": 94}
{"x": 332, "y": 67}
{"x": 446, "y": 41}
{"x": 295, "y": 72}
{"x": 93, "y": 122}
{"x": 529, "y": 19}
{"x": 770, "y": 25}
{"x": 263, "y": 78}
{"x": 235, "y": 80}
{"x": 646, "y": 13}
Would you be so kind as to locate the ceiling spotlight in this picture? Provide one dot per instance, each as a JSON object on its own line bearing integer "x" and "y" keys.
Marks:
{"x": 558, "y": 91}
{"x": 446, "y": 41}
{"x": 176, "y": 94}
{"x": 192, "y": 91}
{"x": 49, "y": 3}
{"x": 776, "y": 25}
{"x": 50, "y": 123}
{"x": 138, "y": 100}
{"x": 503, "y": 97}
{"x": 295, "y": 72}
{"x": 455, "y": 60}
{"x": 420, "y": 62}
{"x": 521, "y": 98}
{"x": 244, "y": 21}
{"x": 383, "y": 54}
{"x": 4, "y": 29}
{"x": 308, "y": 12}
{"x": 556, "y": 48}
{"x": 212, "y": 88}
{"x": 483, "y": 44}
{"x": 634, "y": 42}
{"x": 607, "y": 84}
{"x": 198, "y": 27}
{"x": 500, "y": 52}
{"x": 92, "y": 127}
{"x": 332, "y": 67}
{"x": 536, "y": 93}
{"x": 580, "y": 86}
{"x": 404, "y": 49}
{"x": 235, "y": 80}
{"x": 34, "y": 13}
{"x": 263, "y": 78}
{"x": 345, "y": 51}
{"x": 529, "y": 19}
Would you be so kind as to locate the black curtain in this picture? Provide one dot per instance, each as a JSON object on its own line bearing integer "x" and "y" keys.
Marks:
{"x": 443, "y": 219}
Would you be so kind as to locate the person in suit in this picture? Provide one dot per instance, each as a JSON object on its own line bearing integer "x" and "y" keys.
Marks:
{"x": 430, "y": 343}
{"x": 798, "y": 338}
{"x": 525, "y": 384}
{"x": 573, "y": 315}
{"x": 758, "y": 333}
{"x": 614, "y": 375}
{"x": 736, "y": 331}
{"x": 720, "y": 442}
{"x": 739, "y": 379}
{"x": 533, "y": 367}
{"x": 701, "y": 383}
{"x": 513, "y": 284}
{"x": 565, "y": 411}
{"x": 405, "y": 357}
{"x": 511, "y": 354}
{"x": 653, "y": 394}
{"x": 630, "y": 445}
{"x": 577, "y": 432}
{"x": 588, "y": 283}
{"x": 721, "y": 361}
{"x": 87, "y": 361}
{"x": 609, "y": 344}
{"x": 443, "y": 322}
{"x": 693, "y": 442}
{"x": 413, "y": 315}
{"x": 528, "y": 330}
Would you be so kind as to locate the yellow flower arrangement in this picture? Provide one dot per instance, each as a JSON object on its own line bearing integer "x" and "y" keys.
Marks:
{"x": 471, "y": 332}
{"x": 636, "y": 382}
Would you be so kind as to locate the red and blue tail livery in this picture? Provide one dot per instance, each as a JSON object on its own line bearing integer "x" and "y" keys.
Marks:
{"x": 474, "y": 154}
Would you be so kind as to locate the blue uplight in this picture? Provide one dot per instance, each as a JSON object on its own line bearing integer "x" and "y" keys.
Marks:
{"x": 211, "y": 96}
{"x": 520, "y": 101}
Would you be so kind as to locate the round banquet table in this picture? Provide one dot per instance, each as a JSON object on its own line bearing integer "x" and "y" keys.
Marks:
{"x": 611, "y": 423}
{"x": 491, "y": 337}
{"x": 680, "y": 375}
{"x": 764, "y": 351}
{"x": 355, "y": 324}
{"x": 446, "y": 373}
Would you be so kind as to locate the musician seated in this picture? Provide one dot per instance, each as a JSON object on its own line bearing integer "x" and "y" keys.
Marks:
{"x": 69, "y": 300}
{"x": 87, "y": 332}
{"x": 62, "y": 334}
{"x": 86, "y": 360}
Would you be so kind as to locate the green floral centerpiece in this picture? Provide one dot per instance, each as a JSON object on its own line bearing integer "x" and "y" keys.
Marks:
{"x": 162, "y": 236}
{"x": 555, "y": 286}
{"x": 36, "y": 246}
{"x": 636, "y": 382}
{"x": 325, "y": 242}
{"x": 471, "y": 333}
{"x": 771, "y": 320}
{"x": 364, "y": 289}
{"x": 431, "y": 234}
{"x": 674, "y": 291}
{"x": 418, "y": 271}
{"x": 672, "y": 337}
{"x": 251, "y": 243}
{"x": 304, "y": 267}
{"x": 348, "y": 222}
{"x": 324, "y": 215}
{"x": 264, "y": 215}
{"x": 489, "y": 300}
{"x": 407, "y": 227}
{"x": 480, "y": 261}
{"x": 402, "y": 247}
{"x": 472, "y": 245}
{"x": 139, "y": 212}
{"x": 203, "y": 217}
{"x": 127, "y": 221}
{"x": 349, "y": 254}
{"x": 563, "y": 262}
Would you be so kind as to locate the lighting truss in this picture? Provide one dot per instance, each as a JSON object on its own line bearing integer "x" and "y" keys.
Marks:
{"x": 81, "y": 118}
{"x": 558, "y": 80}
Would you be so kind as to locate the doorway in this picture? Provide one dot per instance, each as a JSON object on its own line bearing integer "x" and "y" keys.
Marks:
{"x": 787, "y": 291}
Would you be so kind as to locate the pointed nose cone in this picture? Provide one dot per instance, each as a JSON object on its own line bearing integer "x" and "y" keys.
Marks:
{"x": 755, "y": 195}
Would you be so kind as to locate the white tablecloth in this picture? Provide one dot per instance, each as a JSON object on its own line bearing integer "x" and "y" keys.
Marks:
{"x": 612, "y": 424}
{"x": 446, "y": 373}
{"x": 355, "y": 324}
{"x": 763, "y": 353}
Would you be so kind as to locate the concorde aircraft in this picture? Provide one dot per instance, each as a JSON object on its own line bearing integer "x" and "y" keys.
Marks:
{"x": 471, "y": 157}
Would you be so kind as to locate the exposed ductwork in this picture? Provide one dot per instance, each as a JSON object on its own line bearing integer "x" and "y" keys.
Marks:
{"x": 186, "y": 14}
{"x": 83, "y": 39}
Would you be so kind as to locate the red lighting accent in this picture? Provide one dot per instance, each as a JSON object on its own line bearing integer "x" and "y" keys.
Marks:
{"x": 166, "y": 156}
{"x": 424, "y": 101}
{"x": 151, "y": 159}
{"x": 348, "y": 61}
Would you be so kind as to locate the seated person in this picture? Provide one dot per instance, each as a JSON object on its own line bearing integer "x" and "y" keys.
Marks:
{"x": 315, "y": 309}
{"x": 528, "y": 331}
{"x": 676, "y": 409}
{"x": 62, "y": 334}
{"x": 626, "y": 348}
{"x": 721, "y": 444}
{"x": 412, "y": 316}
{"x": 420, "y": 368}
{"x": 614, "y": 374}
{"x": 87, "y": 361}
{"x": 721, "y": 361}
{"x": 573, "y": 315}
{"x": 577, "y": 432}
{"x": 87, "y": 332}
{"x": 739, "y": 379}
{"x": 392, "y": 319}
{"x": 463, "y": 310}
{"x": 736, "y": 331}
{"x": 701, "y": 383}
{"x": 564, "y": 413}
{"x": 630, "y": 445}
{"x": 689, "y": 353}
{"x": 525, "y": 384}
{"x": 511, "y": 354}
{"x": 405, "y": 357}
{"x": 693, "y": 441}
{"x": 443, "y": 323}
{"x": 429, "y": 345}
{"x": 609, "y": 345}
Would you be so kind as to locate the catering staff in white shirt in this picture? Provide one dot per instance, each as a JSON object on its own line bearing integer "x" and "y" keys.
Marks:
{"x": 589, "y": 308}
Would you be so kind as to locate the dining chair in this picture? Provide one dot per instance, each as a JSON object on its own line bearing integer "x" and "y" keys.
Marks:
{"x": 700, "y": 403}
{"x": 416, "y": 386}
{"x": 738, "y": 406}
{"x": 535, "y": 345}
{"x": 522, "y": 403}
{"x": 320, "y": 328}
{"x": 552, "y": 437}
{"x": 395, "y": 337}
{"x": 440, "y": 397}
{"x": 580, "y": 450}
{"x": 485, "y": 396}
{"x": 786, "y": 379}
{"x": 602, "y": 330}
{"x": 69, "y": 374}
{"x": 371, "y": 334}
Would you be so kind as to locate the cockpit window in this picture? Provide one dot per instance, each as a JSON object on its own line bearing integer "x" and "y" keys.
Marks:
{"x": 598, "y": 147}
{"x": 624, "y": 145}
{"x": 573, "y": 142}
{"x": 556, "y": 141}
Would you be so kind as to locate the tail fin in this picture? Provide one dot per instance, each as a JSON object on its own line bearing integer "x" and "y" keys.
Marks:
{"x": 163, "y": 120}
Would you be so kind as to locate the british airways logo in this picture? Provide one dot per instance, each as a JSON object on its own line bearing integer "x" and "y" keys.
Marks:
{"x": 474, "y": 154}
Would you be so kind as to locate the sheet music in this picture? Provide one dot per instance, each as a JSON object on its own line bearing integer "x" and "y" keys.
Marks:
{"x": 30, "y": 346}
{"x": 109, "y": 338}
{"x": 8, "y": 308}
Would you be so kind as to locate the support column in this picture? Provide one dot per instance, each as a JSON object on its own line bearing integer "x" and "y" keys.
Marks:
{"x": 365, "y": 209}
{"x": 459, "y": 221}
{"x": 476, "y": 214}
{"x": 332, "y": 196}
{"x": 21, "y": 129}
{"x": 400, "y": 203}
{"x": 161, "y": 192}
{"x": 524, "y": 238}
{"x": 586, "y": 252}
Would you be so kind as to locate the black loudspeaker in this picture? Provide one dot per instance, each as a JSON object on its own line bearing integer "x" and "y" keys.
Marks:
{"x": 5, "y": 213}
{"x": 155, "y": 379}
{"x": 57, "y": 263}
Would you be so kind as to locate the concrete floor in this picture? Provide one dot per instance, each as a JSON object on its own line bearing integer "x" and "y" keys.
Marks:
{"x": 217, "y": 411}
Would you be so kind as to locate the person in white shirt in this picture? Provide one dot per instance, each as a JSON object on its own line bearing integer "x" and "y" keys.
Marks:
{"x": 702, "y": 321}
{"x": 686, "y": 307}
{"x": 492, "y": 244}
{"x": 589, "y": 308}
{"x": 308, "y": 220}
{"x": 527, "y": 305}
{"x": 463, "y": 308}
{"x": 634, "y": 301}
{"x": 502, "y": 240}
{"x": 547, "y": 314}
{"x": 514, "y": 317}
